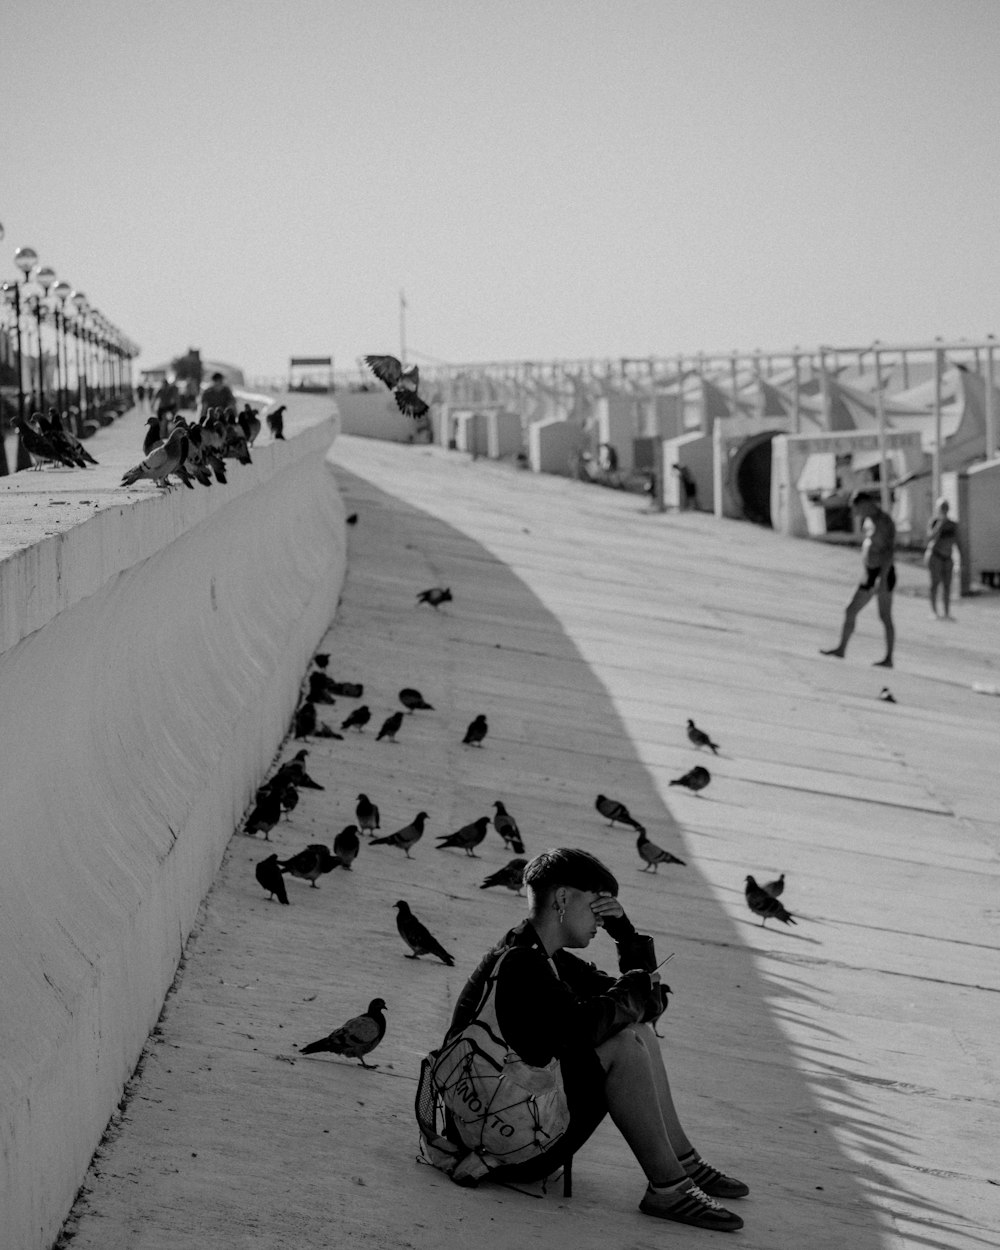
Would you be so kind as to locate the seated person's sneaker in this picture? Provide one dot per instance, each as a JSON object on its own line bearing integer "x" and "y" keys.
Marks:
{"x": 685, "y": 1203}
{"x": 710, "y": 1180}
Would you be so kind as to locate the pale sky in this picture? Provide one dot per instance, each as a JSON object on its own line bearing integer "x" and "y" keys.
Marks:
{"x": 544, "y": 178}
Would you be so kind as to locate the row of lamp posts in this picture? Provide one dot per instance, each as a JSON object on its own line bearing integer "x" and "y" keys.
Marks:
{"x": 97, "y": 370}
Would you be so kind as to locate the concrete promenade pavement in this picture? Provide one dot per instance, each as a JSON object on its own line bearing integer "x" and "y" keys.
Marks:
{"x": 846, "y": 1068}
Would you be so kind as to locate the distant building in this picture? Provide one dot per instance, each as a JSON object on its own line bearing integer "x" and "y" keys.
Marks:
{"x": 311, "y": 373}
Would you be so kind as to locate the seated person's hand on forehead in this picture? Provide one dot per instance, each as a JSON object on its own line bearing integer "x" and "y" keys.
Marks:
{"x": 606, "y": 905}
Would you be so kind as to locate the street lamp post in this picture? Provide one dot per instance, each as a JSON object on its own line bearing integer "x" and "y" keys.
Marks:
{"x": 60, "y": 293}
{"x": 25, "y": 258}
{"x": 44, "y": 276}
{"x": 79, "y": 302}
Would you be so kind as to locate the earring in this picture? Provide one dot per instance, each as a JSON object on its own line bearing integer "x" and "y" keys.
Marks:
{"x": 562, "y": 914}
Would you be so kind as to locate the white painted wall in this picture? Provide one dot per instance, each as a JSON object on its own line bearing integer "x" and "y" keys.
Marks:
{"x": 150, "y": 660}
{"x": 375, "y": 414}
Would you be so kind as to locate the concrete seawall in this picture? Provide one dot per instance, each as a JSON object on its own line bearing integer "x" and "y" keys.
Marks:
{"x": 150, "y": 659}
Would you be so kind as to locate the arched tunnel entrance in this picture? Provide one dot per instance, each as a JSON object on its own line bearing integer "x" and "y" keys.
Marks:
{"x": 752, "y": 476}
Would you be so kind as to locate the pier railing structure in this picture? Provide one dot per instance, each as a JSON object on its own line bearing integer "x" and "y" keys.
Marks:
{"x": 57, "y": 350}
{"x": 887, "y": 371}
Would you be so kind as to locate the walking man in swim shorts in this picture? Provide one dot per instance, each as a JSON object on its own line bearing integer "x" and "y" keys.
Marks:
{"x": 879, "y": 575}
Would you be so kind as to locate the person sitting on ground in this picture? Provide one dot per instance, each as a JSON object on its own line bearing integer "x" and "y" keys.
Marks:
{"x": 550, "y": 1003}
{"x": 879, "y": 577}
{"x": 942, "y": 535}
{"x": 218, "y": 395}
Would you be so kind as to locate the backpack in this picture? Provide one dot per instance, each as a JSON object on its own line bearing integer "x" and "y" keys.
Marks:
{"x": 476, "y": 1089}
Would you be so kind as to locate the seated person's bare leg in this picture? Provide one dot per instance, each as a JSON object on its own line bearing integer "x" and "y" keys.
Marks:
{"x": 679, "y": 1141}
{"x": 632, "y": 1091}
{"x": 858, "y": 601}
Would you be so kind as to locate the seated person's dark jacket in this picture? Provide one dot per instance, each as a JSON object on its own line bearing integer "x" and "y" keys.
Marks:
{"x": 542, "y": 1016}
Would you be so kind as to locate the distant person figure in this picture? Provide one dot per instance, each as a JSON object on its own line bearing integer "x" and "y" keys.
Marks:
{"x": 609, "y": 458}
{"x": 167, "y": 399}
{"x": 879, "y": 575}
{"x": 688, "y": 496}
{"x": 140, "y": 395}
{"x": 218, "y": 395}
{"x": 942, "y": 535}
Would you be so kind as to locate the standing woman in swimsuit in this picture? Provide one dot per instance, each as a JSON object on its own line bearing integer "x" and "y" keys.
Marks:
{"x": 942, "y": 535}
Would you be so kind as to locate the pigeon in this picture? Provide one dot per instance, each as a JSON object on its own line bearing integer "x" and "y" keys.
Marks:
{"x": 269, "y": 875}
{"x": 67, "y": 440}
{"x": 288, "y": 796}
{"x": 435, "y": 596}
{"x": 701, "y": 739}
{"x": 310, "y": 863}
{"x": 153, "y": 435}
{"x": 476, "y": 732}
{"x": 402, "y": 382}
{"x": 617, "y": 813}
{"x": 762, "y": 904}
{"x": 406, "y": 837}
{"x": 413, "y": 700}
{"x": 249, "y": 423}
{"x": 505, "y": 824}
{"x": 367, "y": 814}
{"x": 775, "y": 888}
{"x": 352, "y": 519}
{"x": 319, "y": 688}
{"x": 347, "y": 689}
{"x": 511, "y": 876}
{"x": 358, "y": 718}
{"x": 695, "y": 780}
{"x": 295, "y": 770}
{"x": 41, "y": 446}
{"x": 390, "y": 727}
{"x": 355, "y": 1039}
{"x": 467, "y": 837}
{"x": 417, "y": 937}
{"x": 265, "y": 814}
{"x": 276, "y": 422}
{"x": 654, "y": 855}
{"x": 161, "y": 461}
{"x": 305, "y": 720}
{"x": 346, "y": 846}
{"x": 886, "y": 695}
{"x": 321, "y": 659}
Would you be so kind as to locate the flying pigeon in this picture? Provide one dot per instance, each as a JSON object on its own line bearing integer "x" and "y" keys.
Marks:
{"x": 775, "y": 888}
{"x": 467, "y": 837}
{"x": 476, "y": 732}
{"x": 305, "y": 720}
{"x": 161, "y": 461}
{"x": 505, "y": 824}
{"x": 406, "y": 837}
{"x": 701, "y": 739}
{"x": 265, "y": 814}
{"x": 511, "y": 876}
{"x": 367, "y": 814}
{"x": 413, "y": 700}
{"x": 654, "y": 855}
{"x": 357, "y": 719}
{"x": 355, "y": 1039}
{"x": 346, "y": 846}
{"x": 402, "y": 382}
{"x": 390, "y": 727}
{"x": 310, "y": 863}
{"x": 435, "y": 596}
{"x": 695, "y": 780}
{"x": 762, "y": 904}
{"x": 617, "y": 813}
{"x": 269, "y": 875}
{"x": 417, "y": 937}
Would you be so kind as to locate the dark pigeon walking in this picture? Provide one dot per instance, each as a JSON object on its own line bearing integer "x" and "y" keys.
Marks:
{"x": 695, "y": 780}
{"x": 417, "y": 937}
{"x": 305, "y": 720}
{"x": 355, "y": 1039}
{"x": 511, "y": 876}
{"x": 367, "y": 814}
{"x": 476, "y": 732}
{"x": 269, "y": 875}
{"x": 616, "y": 813}
{"x": 775, "y": 888}
{"x": 762, "y": 904}
{"x": 390, "y": 727}
{"x": 701, "y": 739}
{"x": 265, "y": 814}
{"x": 414, "y": 701}
{"x": 309, "y": 864}
{"x": 505, "y": 824}
{"x": 435, "y": 596}
{"x": 357, "y": 719}
{"x": 346, "y": 846}
{"x": 654, "y": 855}
{"x": 406, "y": 837}
{"x": 467, "y": 837}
